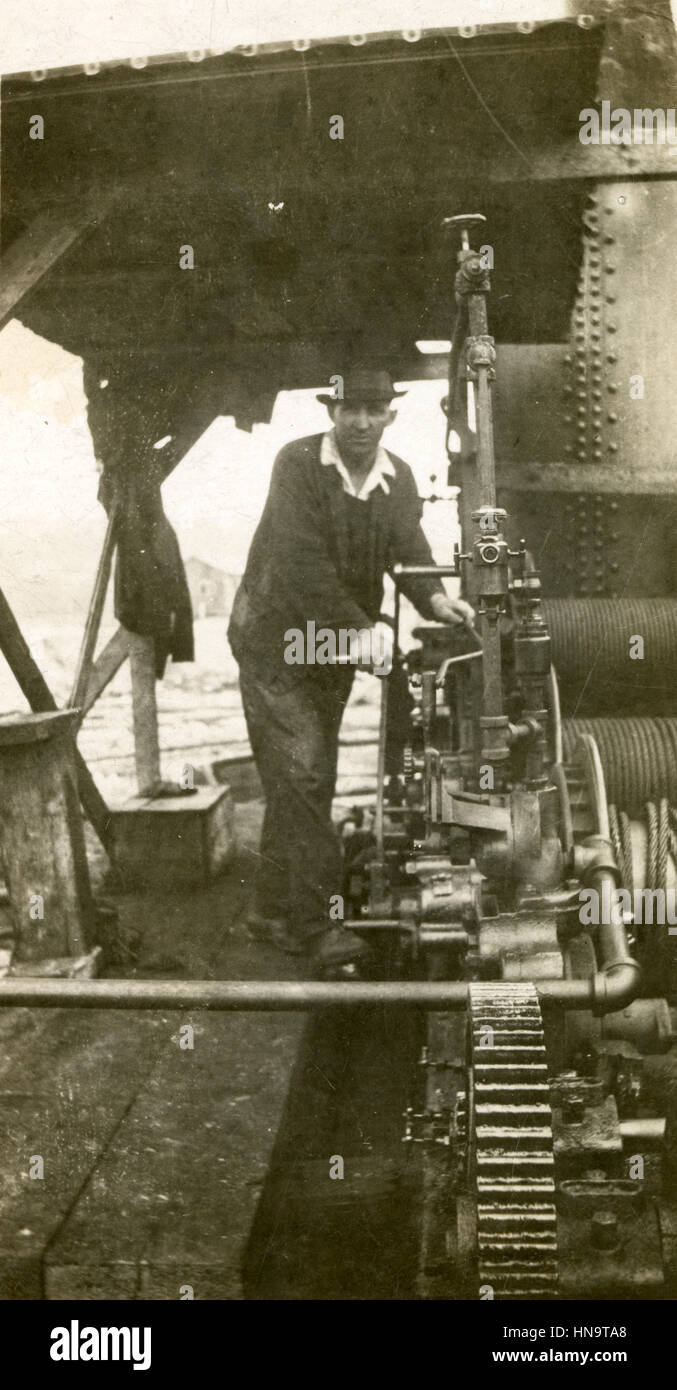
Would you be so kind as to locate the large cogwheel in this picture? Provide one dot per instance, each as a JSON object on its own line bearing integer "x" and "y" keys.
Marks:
{"x": 510, "y": 1150}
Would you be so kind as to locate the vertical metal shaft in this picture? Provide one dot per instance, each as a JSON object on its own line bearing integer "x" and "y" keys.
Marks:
{"x": 478, "y": 325}
{"x": 381, "y": 768}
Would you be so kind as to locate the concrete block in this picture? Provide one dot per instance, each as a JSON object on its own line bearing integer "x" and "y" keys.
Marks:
{"x": 174, "y": 842}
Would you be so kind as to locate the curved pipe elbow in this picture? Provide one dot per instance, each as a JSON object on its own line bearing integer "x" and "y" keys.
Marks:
{"x": 616, "y": 985}
{"x": 609, "y": 989}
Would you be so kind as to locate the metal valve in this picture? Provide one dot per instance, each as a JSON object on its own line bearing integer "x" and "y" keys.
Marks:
{"x": 464, "y": 221}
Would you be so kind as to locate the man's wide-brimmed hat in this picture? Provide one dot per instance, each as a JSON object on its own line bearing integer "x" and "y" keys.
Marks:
{"x": 359, "y": 384}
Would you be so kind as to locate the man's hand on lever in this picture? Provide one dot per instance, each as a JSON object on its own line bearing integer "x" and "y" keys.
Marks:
{"x": 370, "y": 649}
{"x": 378, "y": 653}
{"x": 452, "y": 610}
{"x": 382, "y": 648}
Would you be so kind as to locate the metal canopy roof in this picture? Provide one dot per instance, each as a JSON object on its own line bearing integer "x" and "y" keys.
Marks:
{"x": 105, "y": 33}
{"x": 305, "y": 247}
{"x": 298, "y": 238}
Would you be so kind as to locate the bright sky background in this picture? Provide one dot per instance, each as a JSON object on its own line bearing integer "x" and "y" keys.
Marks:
{"x": 58, "y": 33}
{"x": 53, "y": 525}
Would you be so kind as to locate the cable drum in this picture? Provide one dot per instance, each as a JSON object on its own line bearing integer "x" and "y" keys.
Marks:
{"x": 639, "y": 758}
{"x": 646, "y": 854}
{"x": 591, "y": 652}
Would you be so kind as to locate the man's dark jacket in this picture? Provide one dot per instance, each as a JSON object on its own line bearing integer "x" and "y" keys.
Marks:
{"x": 300, "y": 567}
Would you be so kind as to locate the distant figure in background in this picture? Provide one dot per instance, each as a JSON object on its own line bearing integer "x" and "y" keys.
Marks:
{"x": 340, "y": 513}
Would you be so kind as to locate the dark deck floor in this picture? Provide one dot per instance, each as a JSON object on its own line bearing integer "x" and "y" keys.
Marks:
{"x": 154, "y": 1155}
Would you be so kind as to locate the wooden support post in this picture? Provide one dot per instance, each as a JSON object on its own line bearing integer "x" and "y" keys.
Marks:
{"x": 146, "y": 742}
{"x": 93, "y": 623}
{"x": 34, "y": 686}
{"x": 41, "y": 838}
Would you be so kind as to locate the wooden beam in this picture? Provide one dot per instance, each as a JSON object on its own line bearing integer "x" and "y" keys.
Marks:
{"x": 105, "y": 667}
{"x": 34, "y": 686}
{"x": 93, "y": 623}
{"x": 146, "y": 741}
{"x": 43, "y": 243}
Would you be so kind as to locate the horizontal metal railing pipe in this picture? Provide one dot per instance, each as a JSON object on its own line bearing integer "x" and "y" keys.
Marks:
{"x": 228, "y": 994}
{"x": 234, "y": 995}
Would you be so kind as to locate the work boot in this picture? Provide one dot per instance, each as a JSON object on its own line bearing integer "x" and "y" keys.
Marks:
{"x": 274, "y": 932}
{"x": 335, "y": 947}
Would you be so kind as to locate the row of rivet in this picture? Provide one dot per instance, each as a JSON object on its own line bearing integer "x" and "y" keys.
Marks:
{"x": 591, "y": 344}
{"x": 251, "y": 50}
{"x": 592, "y": 544}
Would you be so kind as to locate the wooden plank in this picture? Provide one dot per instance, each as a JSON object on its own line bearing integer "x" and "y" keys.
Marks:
{"x": 71, "y": 1077}
{"x": 43, "y": 243}
{"x": 84, "y": 666}
{"x": 34, "y": 686}
{"x": 137, "y": 1228}
{"x": 34, "y": 728}
{"x": 105, "y": 667}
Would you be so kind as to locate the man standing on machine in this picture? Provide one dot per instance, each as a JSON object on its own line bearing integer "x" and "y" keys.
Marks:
{"x": 340, "y": 513}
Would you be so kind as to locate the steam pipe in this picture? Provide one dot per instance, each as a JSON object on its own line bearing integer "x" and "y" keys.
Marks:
{"x": 611, "y": 988}
{"x": 227, "y": 994}
{"x": 604, "y": 992}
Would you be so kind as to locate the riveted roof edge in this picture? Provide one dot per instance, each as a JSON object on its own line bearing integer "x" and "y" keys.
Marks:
{"x": 254, "y": 51}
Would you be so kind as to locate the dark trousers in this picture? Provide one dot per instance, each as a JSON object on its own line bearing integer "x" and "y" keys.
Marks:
{"x": 293, "y": 722}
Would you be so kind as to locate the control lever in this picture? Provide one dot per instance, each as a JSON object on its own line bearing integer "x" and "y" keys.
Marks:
{"x": 451, "y": 661}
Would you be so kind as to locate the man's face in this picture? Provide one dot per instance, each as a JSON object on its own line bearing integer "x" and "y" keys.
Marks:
{"x": 359, "y": 426}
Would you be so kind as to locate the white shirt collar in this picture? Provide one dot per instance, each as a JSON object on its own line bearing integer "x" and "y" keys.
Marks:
{"x": 381, "y": 469}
